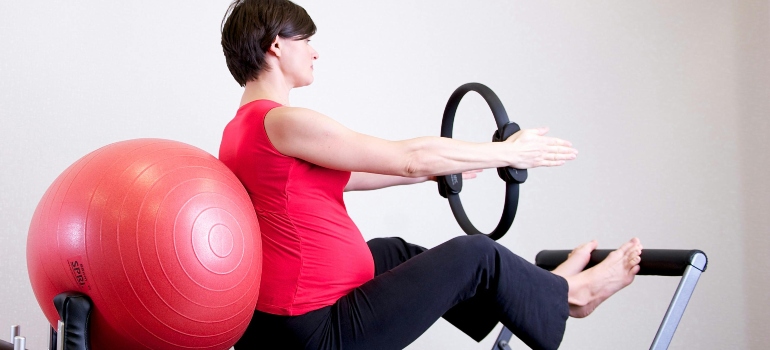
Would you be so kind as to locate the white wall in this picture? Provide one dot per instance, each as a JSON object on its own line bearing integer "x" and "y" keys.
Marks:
{"x": 666, "y": 101}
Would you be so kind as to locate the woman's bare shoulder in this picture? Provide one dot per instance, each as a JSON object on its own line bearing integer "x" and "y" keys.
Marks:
{"x": 299, "y": 120}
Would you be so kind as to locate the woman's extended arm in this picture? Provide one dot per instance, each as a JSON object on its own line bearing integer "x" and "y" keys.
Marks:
{"x": 367, "y": 181}
{"x": 360, "y": 181}
{"x": 309, "y": 135}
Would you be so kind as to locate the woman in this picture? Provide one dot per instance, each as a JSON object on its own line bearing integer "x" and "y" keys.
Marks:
{"x": 323, "y": 286}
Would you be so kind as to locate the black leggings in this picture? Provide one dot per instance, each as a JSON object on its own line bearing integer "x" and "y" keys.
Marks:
{"x": 471, "y": 281}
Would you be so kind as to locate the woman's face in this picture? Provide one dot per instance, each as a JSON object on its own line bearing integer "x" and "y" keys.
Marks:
{"x": 296, "y": 62}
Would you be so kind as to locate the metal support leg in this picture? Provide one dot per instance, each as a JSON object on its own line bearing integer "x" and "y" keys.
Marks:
{"x": 503, "y": 339}
{"x": 17, "y": 341}
{"x": 679, "y": 302}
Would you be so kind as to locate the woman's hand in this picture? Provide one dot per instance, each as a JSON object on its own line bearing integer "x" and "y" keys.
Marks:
{"x": 533, "y": 149}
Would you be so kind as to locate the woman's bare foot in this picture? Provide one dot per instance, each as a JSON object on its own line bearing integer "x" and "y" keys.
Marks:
{"x": 591, "y": 287}
{"x": 576, "y": 260}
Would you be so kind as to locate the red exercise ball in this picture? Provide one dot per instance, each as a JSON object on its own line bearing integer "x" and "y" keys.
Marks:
{"x": 160, "y": 235}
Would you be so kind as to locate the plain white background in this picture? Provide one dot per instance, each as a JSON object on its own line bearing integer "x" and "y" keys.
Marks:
{"x": 666, "y": 101}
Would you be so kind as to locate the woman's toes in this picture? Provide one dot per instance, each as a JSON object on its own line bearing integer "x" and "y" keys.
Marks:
{"x": 583, "y": 249}
{"x": 576, "y": 260}
{"x": 628, "y": 245}
{"x": 590, "y": 245}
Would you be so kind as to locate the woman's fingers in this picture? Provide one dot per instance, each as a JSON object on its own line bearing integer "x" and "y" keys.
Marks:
{"x": 555, "y": 159}
{"x": 552, "y": 141}
{"x": 560, "y": 153}
{"x": 550, "y": 163}
{"x": 471, "y": 174}
{"x": 561, "y": 150}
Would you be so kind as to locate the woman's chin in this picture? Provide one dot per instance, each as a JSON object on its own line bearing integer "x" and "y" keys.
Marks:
{"x": 306, "y": 83}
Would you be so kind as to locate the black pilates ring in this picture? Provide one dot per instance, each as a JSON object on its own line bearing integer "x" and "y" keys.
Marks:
{"x": 449, "y": 186}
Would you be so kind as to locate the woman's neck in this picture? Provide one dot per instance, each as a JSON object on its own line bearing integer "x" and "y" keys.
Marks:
{"x": 267, "y": 87}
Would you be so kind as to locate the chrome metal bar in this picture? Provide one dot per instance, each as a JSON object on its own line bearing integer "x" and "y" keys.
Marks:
{"x": 679, "y": 302}
{"x": 19, "y": 343}
{"x": 60, "y": 336}
{"x": 503, "y": 339}
{"x": 15, "y": 331}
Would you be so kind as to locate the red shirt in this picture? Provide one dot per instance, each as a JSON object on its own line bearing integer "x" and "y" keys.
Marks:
{"x": 313, "y": 253}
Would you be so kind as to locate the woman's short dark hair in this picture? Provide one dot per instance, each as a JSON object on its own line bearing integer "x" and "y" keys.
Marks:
{"x": 249, "y": 28}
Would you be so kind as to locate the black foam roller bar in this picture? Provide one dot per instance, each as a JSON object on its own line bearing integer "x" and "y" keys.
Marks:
{"x": 657, "y": 262}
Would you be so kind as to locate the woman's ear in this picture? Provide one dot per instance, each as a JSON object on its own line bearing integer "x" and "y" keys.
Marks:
{"x": 275, "y": 47}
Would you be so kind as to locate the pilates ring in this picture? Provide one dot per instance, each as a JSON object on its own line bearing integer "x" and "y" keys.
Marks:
{"x": 449, "y": 186}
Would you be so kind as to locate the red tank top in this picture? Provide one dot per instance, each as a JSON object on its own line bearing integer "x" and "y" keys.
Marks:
{"x": 313, "y": 253}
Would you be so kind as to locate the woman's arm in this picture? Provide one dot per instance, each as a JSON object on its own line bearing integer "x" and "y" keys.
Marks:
{"x": 368, "y": 181}
{"x": 311, "y": 136}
